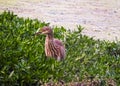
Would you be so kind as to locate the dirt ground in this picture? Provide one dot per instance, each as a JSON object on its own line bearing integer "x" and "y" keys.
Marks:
{"x": 100, "y": 18}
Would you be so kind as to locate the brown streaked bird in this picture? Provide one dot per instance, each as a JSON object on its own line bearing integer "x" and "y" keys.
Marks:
{"x": 53, "y": 47}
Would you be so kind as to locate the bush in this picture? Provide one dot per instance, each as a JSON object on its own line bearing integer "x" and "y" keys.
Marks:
{"x": 23, "y": 60}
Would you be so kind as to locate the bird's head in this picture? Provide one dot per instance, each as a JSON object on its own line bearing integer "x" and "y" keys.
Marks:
{"x": 45, "y": 30}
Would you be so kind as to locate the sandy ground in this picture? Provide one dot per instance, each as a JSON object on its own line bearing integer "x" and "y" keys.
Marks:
{"x": 100, "y": 18}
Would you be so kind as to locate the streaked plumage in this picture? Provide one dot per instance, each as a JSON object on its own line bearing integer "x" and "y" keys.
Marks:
{"x": 53, "y": 47}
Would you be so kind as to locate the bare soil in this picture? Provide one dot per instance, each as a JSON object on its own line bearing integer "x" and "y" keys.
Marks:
{"x": 100, "y": 18}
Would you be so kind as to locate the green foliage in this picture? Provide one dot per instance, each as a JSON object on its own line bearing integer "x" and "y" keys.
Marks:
{"x": 23, "y": 61}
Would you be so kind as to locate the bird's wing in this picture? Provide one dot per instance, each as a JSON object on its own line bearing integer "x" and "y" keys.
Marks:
{"x": 61, "y": 47}
{"x": 58, "y": 42}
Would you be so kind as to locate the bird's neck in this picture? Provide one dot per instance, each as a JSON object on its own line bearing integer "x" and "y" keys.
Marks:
{"x": 49, "y": 37}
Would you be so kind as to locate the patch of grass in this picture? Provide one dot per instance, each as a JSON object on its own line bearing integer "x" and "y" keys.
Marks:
{"x": 23, "y": 60}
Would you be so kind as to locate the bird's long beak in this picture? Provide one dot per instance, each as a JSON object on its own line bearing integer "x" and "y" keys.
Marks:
{"x": 37, "y": 33}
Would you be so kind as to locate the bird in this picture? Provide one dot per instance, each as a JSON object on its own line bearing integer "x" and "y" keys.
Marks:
{"x": 53, "y": 47}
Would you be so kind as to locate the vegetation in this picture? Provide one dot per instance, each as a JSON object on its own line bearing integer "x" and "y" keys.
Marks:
{"x": 23, "y": 61}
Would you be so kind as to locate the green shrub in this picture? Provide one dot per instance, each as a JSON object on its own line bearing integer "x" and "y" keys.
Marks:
{"x": 23, "y": 60}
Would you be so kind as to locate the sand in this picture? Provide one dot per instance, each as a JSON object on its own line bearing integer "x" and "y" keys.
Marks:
{"x": 100, "y": 18}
